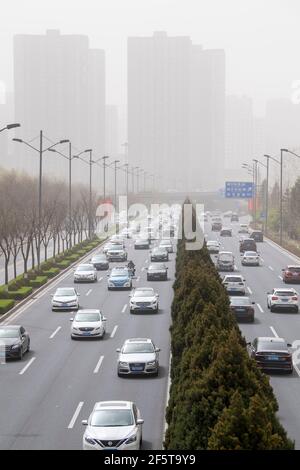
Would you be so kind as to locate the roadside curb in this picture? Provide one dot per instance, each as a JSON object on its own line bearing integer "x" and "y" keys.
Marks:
{"x": 167, "y": 399}
{"x": 32, "y": 296}
{"x": 284, "y": 250}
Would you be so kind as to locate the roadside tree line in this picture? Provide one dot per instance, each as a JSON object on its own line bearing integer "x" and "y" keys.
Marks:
{"x": 219, "y": 399}
{"x": 20, "y": 230}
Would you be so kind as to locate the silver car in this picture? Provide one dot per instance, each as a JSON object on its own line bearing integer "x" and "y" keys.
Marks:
{"x": 283, "y": 299}
{"x": 116, "y": 253}
{"x": 138, "y": 356}
{"x": 234, "y": 285}
{"x": 65, "y": 298}
{"x": 85, "y": 273}
{"x": 113, "y": 425}
{"x": 88, "y": 324}
{"x": 144, "y": 299}
{"x": 250, "y": 258}
{"x": 168, "y": 245}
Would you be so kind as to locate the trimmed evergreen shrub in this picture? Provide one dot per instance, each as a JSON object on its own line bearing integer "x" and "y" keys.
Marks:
{"x": 20, "y": 294}
{"x": 6, "y": 305}
{"x": 39, "y": 281}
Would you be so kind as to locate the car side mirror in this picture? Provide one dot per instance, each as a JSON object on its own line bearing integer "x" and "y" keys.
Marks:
{"x": 140, "y": 421}
{"x": 253, "y": 303}
{"x": 71, "y": 319}
{"x": 289, "y": 345}
{"x": 104, "y": 319}
{"x": 78, "y": 294}
{"x": 52, "y": 295}
{"x": 249, "y": 344}
{"x": 157, "y": 349}
{"x": 84, "y": 422}
{"x": 118, "y": 350}
{"x": 283, "y": 270}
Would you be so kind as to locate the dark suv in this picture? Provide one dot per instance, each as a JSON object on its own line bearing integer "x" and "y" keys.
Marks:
{"x": 247, "y": 244}
{"x": 257, "y": 235}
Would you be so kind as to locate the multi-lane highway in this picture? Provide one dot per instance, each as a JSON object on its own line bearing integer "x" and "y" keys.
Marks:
{"x": 44, "y": 397}
{"x": 259, "y": 281}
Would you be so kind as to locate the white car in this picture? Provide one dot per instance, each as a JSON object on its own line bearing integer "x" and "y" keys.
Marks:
{"x": 234, "y": 284}
{"x": 243, "y": 229}
{"x": 213, "y": 247}
{"x": 283, "y": 299}
{"x": 116, "y": 253}
{"x": 65, "y": 298}
{"x": 85, "y": 273}
{"x": 250, "y": 258}
{"x": 117, "y": 240}
{"x": 114, "y": 425}
{"x": 138, "y": 356}
{"x": 88, "y": 324}
{"x": 168, "y": 245}
{"x": 143, "y": 299}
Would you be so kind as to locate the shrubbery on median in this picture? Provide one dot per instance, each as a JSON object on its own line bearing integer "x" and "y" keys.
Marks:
{"x": 219, "y": 399}
{"x": 6, "y": 305}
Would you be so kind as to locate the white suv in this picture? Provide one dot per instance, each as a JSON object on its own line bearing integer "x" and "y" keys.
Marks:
{"x": 235, "y": 284}
{"x": 283, "y": 299}
{"x": 113, "y": 425}
{"x": 143, "y": 299}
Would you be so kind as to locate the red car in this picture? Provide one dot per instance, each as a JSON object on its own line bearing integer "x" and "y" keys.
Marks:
{"x": 291, "y": 274}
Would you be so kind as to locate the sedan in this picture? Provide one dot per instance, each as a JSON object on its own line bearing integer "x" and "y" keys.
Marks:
{"x": 283, "y": 299}
{"x": 234, "y": 284}
{"x": 85, "y": 273}
{"x": 242, "y": 308}
{"x": 65, "y": 298}
{"x": 119, "y": 278}
{"x": 250, "y": 258}
{"x": 244, "y": 229}
{"x": 100, "y": 262}
{"x": 271, "y": 354}
{"x": 142, "y": 244}
{"x": 14, "y": 342}
{"x": 144, "y": 299}
{"x": 213, "y": 247}
{"x": 159, "y": 254}
{"x": 113, "y": 425}
{"x": 226, "y": 232}
{"x": 291, "y": 274}
{"x": 138, "y": 357}
{"x": 88, "y": 324}
{"x": 157, "y": 272}
{"x": 167, "y": 245}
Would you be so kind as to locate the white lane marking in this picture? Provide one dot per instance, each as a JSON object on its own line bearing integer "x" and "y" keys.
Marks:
{"x": 100, "y": 279}
{"x": 297, "y": 369}
{"x": 280, "y": 277}
{"x": 250, "y": 291}
{"x": 147, "y": 261}
{"x": 124, "y": 308}
{"x": 27, "y": 366}
{"x": 262, "y": 260}
{"x": 75, "y": 416}
{"x": 274, "y": 332}
{"x": 98, "y": 365}
{"x": 55, "y": 332}
{"x": 138, "y": 279}
{"x": 114, "y": 331}
{"x": 143, "y": 269}
{"x": 260, "y": 308}
{"x": 270, "y": 267}
{"x": 235, "y": 267}
{"x": 89, "y": 292}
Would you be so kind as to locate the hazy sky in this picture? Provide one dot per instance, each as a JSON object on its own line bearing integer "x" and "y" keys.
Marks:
{"x": 261, "y": 37}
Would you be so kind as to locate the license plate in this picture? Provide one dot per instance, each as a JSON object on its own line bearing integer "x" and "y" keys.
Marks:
{"x": 87, "y": 334}
{"x": 137, "y": 369}
{"x": 273, "y": 358}
{"x": 240, "y": 310}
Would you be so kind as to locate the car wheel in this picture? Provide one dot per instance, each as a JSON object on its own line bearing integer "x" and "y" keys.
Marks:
{"x": 28, "y": 347}
{"x": 297, "y": 310}
{"x": 131, "y": 311}
{"x": 272, "y": 309}
{"x": 20, "y": 355}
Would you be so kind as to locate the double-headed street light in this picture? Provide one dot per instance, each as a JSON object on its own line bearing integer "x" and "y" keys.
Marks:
{"x": 282, "y": 151}
{"x": 90, "y": 163}
{"x": 8, "y": 127}
{"x": 268, "y": 157}
{"x": 41, "y": 151}
{"x": 256, "y": 163}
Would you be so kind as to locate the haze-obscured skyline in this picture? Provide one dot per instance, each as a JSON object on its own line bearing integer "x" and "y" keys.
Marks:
{"x": 260, "y": 38}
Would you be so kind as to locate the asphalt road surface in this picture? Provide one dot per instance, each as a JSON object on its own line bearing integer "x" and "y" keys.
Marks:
{"x": 44, "y": 397}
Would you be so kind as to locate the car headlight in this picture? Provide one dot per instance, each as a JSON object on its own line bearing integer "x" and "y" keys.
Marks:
{"x": 127, "y": 284}
{"x": 89, "y": 440}
{"x": 16, "y": 346}
{"x": 123, "y": 364}
{"x": 74, "y": 328}
{"x": 152, "y": 364}
{"x": 131, "y": 439}
{"x": 110, "y": 284}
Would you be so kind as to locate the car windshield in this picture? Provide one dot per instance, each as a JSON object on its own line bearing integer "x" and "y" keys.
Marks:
{"x": 112, "y": 418}
{"x": 158, "y": 267}
{"x": 135, "y": 348}
{"x": 6, "y": 333}
{"x": 159, "y": 250}
{"x": 226, "y": 256}
{"x": 85, "y": 268}
{"x": 284, "y": 293}
{"x": 236, "y": 301}
{"x": 119, "y": 273}
{"x": 294, "y": 269}
{"x": 271, "y": 346}
{"x": 143, "y": 293}
{"x": 233, "y": 279}
{"x": 87, "y": 317}
{"x": 165, "y": 242}
{"x": 116, "y": 247}
{"x": 64, "y": 293}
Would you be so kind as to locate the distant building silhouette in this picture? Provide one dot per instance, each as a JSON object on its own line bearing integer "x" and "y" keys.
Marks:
{"x": 176, "y": 111}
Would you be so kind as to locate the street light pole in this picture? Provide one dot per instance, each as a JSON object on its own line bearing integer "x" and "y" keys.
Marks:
{"x": 268, "y": 157}
{"x": 104, "y": 176}
{"x": 10, "y": 126}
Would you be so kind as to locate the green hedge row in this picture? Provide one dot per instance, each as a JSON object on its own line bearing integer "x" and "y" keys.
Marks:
{"x": 219, "y": 399}
{"x": 22, "y": 286}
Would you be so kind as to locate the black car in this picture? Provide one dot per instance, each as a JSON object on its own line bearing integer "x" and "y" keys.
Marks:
{"x": 272, "y": 354}
{"x": 242, "y": 308}
{"x": 235, "y": 218}
{"x": 216, "y": 226}
{"x": 100, "y": 262}
{"x": 247, "y": 244}
{"x": 157, "y": 272}
{"x": 14, "y": 342}
{"x": 159, "y": 254}
{"x": 257, "y": 236}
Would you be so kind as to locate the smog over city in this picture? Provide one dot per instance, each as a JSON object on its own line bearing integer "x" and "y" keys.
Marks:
{"x": 150, "y": 209}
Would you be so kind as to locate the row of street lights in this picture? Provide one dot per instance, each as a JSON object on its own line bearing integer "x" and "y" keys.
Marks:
{"x": 135, "y": 171}
{"x": 253, "y": 171}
